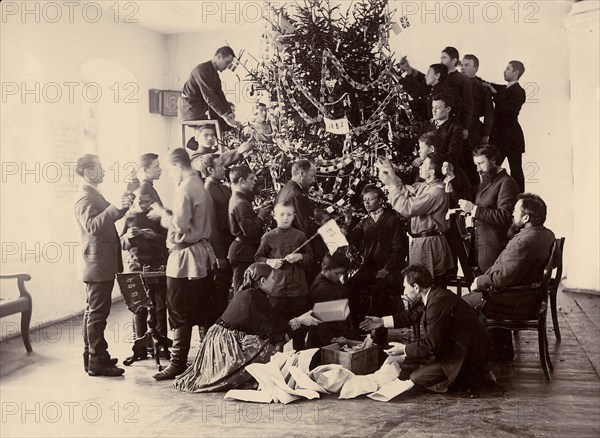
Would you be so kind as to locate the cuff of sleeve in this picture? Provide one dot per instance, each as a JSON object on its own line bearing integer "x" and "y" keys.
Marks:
{"x": 388, "y": 321}
{"x": 474, "y": 211}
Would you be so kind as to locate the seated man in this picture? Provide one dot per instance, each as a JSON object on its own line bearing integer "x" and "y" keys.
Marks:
{"x": 522, "y": 262}
{"x": 385, "y": 250}
{"x": 455, "y": 351}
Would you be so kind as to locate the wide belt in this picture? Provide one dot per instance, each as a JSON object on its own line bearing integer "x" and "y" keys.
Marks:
{"x": 425, "y": 234}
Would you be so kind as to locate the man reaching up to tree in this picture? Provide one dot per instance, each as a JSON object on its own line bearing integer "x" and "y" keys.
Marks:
{"x": 426, "y": 204}
{"x": 202, "y": 96}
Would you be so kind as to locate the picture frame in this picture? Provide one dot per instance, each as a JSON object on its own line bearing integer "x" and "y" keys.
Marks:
{"x": 169, "y": 102}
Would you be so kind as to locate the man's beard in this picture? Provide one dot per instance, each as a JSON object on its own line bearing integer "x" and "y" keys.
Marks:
{"x": 514, "y": 230}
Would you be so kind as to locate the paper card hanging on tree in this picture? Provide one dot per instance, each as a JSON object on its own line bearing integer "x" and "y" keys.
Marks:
{"x": 332, "y": 236}
{"x": 337, "y": 126}
{"x": 330, "y": 84}
{"x": 404, "y": 21}
{"x": 396, "y": 28}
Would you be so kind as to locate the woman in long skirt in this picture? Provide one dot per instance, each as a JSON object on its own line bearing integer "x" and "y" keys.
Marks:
{"x": 246, "y": 333}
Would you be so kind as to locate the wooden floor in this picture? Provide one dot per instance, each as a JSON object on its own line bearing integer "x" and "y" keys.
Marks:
{"x": 47, "y": 393}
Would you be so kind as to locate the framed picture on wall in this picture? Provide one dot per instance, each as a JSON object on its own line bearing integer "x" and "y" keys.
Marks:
{"x": 169, "y": 102}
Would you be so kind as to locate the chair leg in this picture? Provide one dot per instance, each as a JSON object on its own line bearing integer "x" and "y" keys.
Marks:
{"x": 548, "y": 360}
{"x": 554, "y": 316}
{"x": 543, "y": 347}
{"x": 25, "y": 320}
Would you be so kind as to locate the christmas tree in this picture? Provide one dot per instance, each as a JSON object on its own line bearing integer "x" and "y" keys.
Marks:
{"x": 335, "y": 97}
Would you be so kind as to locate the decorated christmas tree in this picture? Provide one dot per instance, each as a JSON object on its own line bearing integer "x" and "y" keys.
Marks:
{"x": 335, "y": 97}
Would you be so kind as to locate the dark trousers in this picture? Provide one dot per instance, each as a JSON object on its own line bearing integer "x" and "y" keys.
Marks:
{"x": 191, "y": 302}
{"x": 290, "y": 307}
{"x": 429, "y": 375}
{"x": 238, "y": 273}
{"x": 515, "y": 161}
{"x": 96, "y": 313}
{"x": 222, "y": 278}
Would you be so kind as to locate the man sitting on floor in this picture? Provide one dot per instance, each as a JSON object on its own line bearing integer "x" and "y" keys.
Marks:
{"x": 522, "y": 262}
{"x": 454, "y": 353}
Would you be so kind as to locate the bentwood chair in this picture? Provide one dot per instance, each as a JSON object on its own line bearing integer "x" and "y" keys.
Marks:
{"x": 536, "y": 320}
{"x": 554, "y": 283}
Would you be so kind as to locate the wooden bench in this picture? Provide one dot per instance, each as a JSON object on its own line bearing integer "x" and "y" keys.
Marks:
{"x": 21, "y": 304}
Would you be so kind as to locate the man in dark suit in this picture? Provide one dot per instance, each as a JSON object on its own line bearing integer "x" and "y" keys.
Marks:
{"x": 507, "y": 134}
{"x": 521, "y": 263}
{"x": 245, "y": 224}
{"x": 385, "y": 243}
{"x": 448, "y": 129}
{"x": 100, "y": 263}
{"x": 459, "y": 85}
{"x": 494, "y": 202}
{"x": 213, "y": 172}
{"x": 202, "y": 96}
{"x": 454, "y": 353}
{"x": 483, "y": 107}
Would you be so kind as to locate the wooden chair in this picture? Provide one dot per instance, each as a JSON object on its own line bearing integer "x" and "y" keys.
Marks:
{"x": 554, "y": 283}
{"x": 536, "y": 324}
{"x": 460, "y": 244}
{"x": 22, "y": 304}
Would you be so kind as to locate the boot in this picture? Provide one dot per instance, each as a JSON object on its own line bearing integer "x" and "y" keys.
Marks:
{"x": 98, "y": 367}
{"x": 179, "y": 352}
{"x": 86, "y": 360}
{"x": 140, "y": 325}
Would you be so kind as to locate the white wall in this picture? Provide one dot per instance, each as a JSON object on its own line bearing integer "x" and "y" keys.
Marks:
{"x": 38, "y": 228}
{"x": 583, "y": 245}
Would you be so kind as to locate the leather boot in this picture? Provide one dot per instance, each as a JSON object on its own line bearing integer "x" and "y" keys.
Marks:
{"x": 86, "y": 360}
{"x": 179, "y": 353}
{"x": 140, "y": 325}
{"x": 99, "y": 367}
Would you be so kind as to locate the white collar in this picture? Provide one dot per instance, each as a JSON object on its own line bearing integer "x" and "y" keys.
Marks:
{"x": 426, "y": 296}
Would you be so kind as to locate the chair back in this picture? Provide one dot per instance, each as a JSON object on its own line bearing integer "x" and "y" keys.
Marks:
{"x": 553, "y": 262}
{"x": 558, "y": 264}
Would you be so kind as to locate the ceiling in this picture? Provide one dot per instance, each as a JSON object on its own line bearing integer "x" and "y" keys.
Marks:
{"x": 172, "y": 17}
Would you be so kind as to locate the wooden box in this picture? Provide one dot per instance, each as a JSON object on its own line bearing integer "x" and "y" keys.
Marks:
{"x": 359, "y": 362}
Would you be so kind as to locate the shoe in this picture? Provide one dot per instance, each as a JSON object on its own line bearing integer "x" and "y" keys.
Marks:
{"x": 98, "y": 368}
{"x": 86, "y": 360}
{"x": 170, "y": 372}
{"x": 179, "y": 353}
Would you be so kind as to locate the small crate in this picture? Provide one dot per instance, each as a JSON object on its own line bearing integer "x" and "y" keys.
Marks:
{"x": 359, "y": 362}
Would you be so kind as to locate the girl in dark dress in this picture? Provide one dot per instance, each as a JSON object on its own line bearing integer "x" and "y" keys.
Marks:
{"x": 246, "y": 333}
